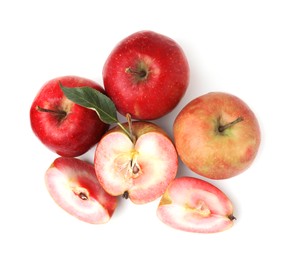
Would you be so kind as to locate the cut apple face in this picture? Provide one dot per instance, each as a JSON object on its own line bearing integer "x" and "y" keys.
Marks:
{"x": 140, "y": 171}
{"x": 194, "y": 205}
{"x": 73, "y": 185}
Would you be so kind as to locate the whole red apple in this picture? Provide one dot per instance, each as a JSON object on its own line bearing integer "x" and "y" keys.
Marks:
{"x": 139, "y": 169}
{"x": 146, "y": 75}
{"x": 217, "y": 135}
{"x": 63, "y": 126}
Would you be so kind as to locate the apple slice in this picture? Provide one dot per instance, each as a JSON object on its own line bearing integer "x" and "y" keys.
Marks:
{"x": 194, "y": 205}
{"x": 73, "y": 185}
{"x": 140, "y": 169}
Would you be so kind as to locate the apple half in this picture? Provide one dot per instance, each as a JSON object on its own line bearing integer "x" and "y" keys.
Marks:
{"x": 194, "y": 205}
{"x": 140, "y": 170}
{"x": 73, "y": 185}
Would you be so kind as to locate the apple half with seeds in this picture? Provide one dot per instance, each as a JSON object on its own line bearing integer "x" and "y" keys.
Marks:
{"x": 194, "y": 205}
{"x": 73, "y": 185}
{"x": 140, "y": 169}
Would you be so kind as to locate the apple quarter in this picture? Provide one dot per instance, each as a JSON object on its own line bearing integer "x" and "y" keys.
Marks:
{"x": 194, "y": 205}
{"x": 73, "y": 185}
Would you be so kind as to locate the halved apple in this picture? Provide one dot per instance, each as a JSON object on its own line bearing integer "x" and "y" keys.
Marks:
{"x": 140, "y": 169}
{"x": 73, "y": 185}
{"x": 194, "y": 205}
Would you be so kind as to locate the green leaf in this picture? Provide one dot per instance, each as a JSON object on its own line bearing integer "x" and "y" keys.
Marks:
{"x": 93, "y": 99}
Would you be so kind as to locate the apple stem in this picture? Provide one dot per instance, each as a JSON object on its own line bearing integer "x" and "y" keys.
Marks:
{"x": 128, "y": 132}
{"x": 221, "y": 128}
{"x": 140, "y": 73}
{"x": 61, "y": 113}
{"x": 129, "y": 120}
{"x": 231, "y": 217}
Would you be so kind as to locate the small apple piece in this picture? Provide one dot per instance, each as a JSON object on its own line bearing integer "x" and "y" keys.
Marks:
{"x": 217, "y": 135}
{"x": 146, "y": 75}
{"x": 73, "y": 185}
{"x": 138, "y": 168}
{"x": 63, "y": 126}
{"x": 194, "y": 205}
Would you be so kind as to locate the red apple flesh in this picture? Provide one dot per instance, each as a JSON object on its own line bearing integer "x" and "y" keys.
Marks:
{"x": 63, "y": 126}
{"x": 140, "y": 170}
{"x": 217, "y": 135}
{"x": 73, "y": 185}
{"x": 146, "y": 75}
{"x": 194, "y": 205}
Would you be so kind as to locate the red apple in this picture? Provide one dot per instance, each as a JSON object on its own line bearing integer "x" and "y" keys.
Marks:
{"x": 63, "y": 126}
{"x": 73, "y": 185}
{"x": 217, "y": 135}
{"x": 140, "y": 169}
{"x": 194, "y": 205}
{"x": 146, "y": 75}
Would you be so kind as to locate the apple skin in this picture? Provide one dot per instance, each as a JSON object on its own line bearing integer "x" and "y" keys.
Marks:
{"x": 73, "y": 185}
{"x": 140, "y": 171}
{"x": 206, "y": 150}
{"x": 194, "y": 205}
{"x": 146, "y": 75}
{"x": 77, "y": 130}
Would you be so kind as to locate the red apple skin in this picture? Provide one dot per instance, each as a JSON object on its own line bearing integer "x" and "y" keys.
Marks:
{"x": 73, "y": 185}
{"x": 70, "y": 135}
{"x": 206, "y": 150}
{"x": 155, "y": 94}
{"x": 194, "y": 205}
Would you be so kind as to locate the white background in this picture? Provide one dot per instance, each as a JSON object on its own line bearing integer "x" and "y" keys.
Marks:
{"x": 233, "y": 46}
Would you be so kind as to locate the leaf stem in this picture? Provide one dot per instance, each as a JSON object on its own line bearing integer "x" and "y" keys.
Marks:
{"x": 125, "y": 130}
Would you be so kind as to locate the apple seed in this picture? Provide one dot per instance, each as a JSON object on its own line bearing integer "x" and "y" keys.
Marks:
{"x": 82, "y": 193}
{"x": 135, "y": 169}
{"x": 83, "y": 196}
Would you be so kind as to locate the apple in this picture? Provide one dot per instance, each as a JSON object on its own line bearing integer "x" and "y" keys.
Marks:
{"x": 194, "y": 205}
{"x": 146, "y": 75}
{"x": 73, "y": 185}
{"x": 63, "y": 126}
{"x": 217, "y": 135}
{"x": 139, "y": 168}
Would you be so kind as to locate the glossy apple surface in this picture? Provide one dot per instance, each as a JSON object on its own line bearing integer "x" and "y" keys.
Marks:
{"x": 217, "y": 135}
{"x": 73, "y": 185}
{"x": 146, "y": 75}
{"x": 63, "y": 126}
{"x": 194, "y": 205}
{"x": 140, "y": 170}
